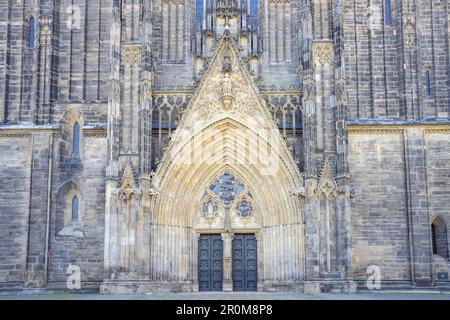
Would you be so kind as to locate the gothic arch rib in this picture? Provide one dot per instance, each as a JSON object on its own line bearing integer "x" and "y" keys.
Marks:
{"x": 183, "y": 180}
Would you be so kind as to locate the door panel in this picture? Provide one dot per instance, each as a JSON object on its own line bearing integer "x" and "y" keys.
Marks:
{"x": 245, "y": 263}
{"x": 210, "y": 264}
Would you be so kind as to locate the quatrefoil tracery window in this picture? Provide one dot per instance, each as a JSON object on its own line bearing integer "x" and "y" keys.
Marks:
{"x": 228, "y": 193}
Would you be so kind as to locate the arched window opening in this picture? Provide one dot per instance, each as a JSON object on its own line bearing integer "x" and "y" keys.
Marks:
{"x": 31, "y": 32}
{"x": 388, "y": 12}
{"x": 198, "y": 14}
{"x": 76, "y": 140}
{"x": 428, "y": 83}
{"x": 439, "y": 237}
{"x": 75, "y": 208}
{"x": 254, "y": 10}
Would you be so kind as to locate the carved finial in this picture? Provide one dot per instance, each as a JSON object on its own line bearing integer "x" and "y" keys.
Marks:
{"x": 128, "y": 187}
{"x": 327, "y": 183}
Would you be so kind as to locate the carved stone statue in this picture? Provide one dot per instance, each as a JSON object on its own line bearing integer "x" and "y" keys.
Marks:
{"x": 227, "y": 64}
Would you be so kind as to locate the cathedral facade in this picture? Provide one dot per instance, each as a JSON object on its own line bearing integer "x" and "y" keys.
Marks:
{"x": 224, "y": 145}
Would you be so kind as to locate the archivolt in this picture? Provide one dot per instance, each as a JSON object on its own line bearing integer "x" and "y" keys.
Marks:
{"x": 189, "y": 166}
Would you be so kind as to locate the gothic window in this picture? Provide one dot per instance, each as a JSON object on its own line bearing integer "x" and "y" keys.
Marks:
{"x": 227, "y": 188}
{"x": 76, "y": 140}
{"x": 388, "y": 12}
{"x": 31, "y": 32}
{"x": 75, "y": 208}
{"x": 227, "y": 193}
{"x": 433, "y": 236}
{"x": 254, "y": 12}
{"x": 439, "y": 237}
{"x": 428, "y": 83}
{"x": 249, "y": 9}
{"x": 210, "y": 209}
{"x": 254, "y": 24}
{"x": 198, "y": 14}
{"x": 244, "y": 209}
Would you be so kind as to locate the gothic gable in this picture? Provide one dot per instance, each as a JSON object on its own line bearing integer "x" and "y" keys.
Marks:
{"x": 227, "y": 90}
{"x": 227, "y": 96}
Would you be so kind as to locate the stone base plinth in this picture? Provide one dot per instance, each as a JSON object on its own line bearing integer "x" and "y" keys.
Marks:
{"x": 280, "y": 286}
{"x": 329, "y": 286}
{"x": 144, "y": 287}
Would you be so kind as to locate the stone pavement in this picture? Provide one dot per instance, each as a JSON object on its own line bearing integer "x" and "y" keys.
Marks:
{"x": 237, "y": 296}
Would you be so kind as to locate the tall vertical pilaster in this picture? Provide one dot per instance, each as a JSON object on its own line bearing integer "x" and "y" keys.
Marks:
{"x": 112, "y": 169}
{"x": 418, "y": 211}
{"x": 42, "y": 111}
{"x": 129, "y": 186}
{"x": 327, "y": 205}
{"x": 147, "y": 79}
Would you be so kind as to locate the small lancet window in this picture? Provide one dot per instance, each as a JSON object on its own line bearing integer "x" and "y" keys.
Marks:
{"x": 31, "y": 32}
{"x": 76, "y": 140}
{"x": 388, "y": 12}
{"x": 433, "y": 237}
{"x": 439, "y": 237}
{"x": 198, "y": 14}
{"x": 254, "y": 9}
{"x": 75, "y": 208}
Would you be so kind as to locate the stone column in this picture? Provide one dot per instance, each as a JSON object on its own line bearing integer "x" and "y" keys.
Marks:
{"x": 194, "y": 257}
{"x": 112, "y": 168}
{"x": 260, "y": 257}
{"x": 227, "y": 261}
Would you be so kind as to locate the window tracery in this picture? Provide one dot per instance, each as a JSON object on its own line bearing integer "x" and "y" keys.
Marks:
{"x": 227, "y": 193}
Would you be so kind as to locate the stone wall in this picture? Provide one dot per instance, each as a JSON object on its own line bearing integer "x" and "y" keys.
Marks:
{"x": 438, "y": 182}
{"x": 386, "y": 62}
{"x": 14, "y": 207}
{"x": 69, "y": 60}
{"x": 400, "y": 179}
{"x": 80, "y": 244}
{"x": 379, "y": 220}
{"x": 33, "y": 253}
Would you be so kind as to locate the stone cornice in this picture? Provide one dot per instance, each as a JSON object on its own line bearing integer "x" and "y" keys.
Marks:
{"x": 15, "y": 134}
{"x": 95, "y": 133}
{"x": 28, "y": 130}
{"x": 398, "y": 127}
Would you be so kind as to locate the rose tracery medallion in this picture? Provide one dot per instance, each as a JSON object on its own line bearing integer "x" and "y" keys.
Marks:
{"x": 227, "y": 194}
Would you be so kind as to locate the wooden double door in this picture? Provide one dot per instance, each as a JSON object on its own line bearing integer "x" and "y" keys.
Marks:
{"x": 244, "y": 263}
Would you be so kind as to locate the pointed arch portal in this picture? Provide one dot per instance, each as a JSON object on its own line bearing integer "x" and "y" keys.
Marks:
{"x": 227, "y": 172}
